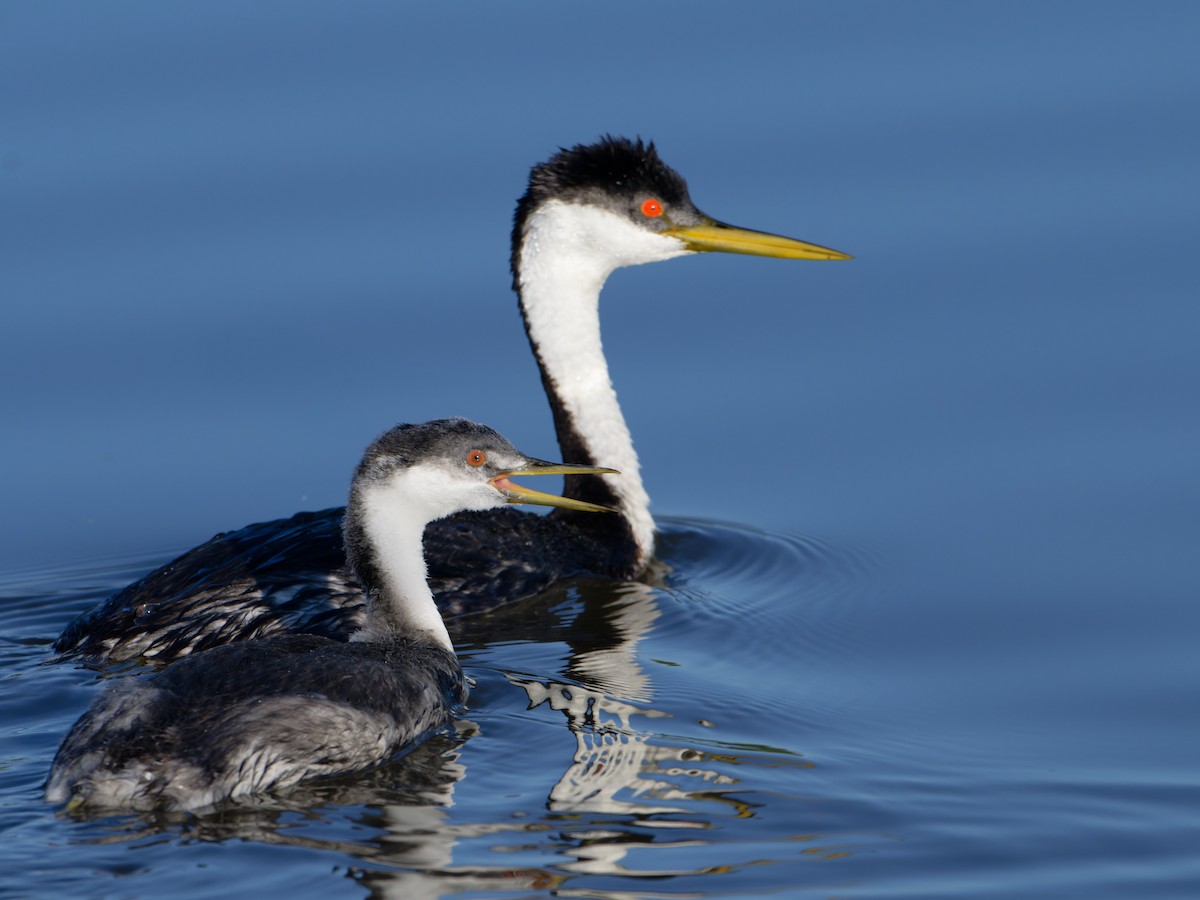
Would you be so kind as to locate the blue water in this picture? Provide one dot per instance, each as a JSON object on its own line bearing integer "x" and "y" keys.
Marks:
{"x": 926, "y": 615}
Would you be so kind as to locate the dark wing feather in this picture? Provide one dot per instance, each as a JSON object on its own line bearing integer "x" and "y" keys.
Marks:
{"x": 289, "y": 577}
{"x": 272, "y": 577}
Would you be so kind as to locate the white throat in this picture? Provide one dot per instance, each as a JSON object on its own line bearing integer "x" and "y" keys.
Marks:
{"x": 567, "y": 253}
{"x": 394, "y": 516}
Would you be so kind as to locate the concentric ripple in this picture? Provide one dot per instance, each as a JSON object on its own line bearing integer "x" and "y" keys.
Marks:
{"x": 802, "y": 588}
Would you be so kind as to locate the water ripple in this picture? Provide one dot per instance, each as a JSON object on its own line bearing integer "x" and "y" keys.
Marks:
{"x": 635, "y": 729}
{"x": 804, "y": 589}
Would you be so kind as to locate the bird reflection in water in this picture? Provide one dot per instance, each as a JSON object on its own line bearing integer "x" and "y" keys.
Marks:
{"x": 618, "y": 768}
{"x": 599, "y": 699}
{"x": 624, "y": 787}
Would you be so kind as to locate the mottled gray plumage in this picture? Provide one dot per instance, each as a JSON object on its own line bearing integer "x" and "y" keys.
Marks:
{"x": 255, "y": 715}
{"x": 251, "y": 716}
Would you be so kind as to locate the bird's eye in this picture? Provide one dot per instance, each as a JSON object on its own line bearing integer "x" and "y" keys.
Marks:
{"x": 652, "y": 208}
{"x": 476, "y": 458}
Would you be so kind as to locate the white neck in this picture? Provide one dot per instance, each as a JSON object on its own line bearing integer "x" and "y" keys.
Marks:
{"x": 394, "y": 520}
{"x": 567, "y": 253}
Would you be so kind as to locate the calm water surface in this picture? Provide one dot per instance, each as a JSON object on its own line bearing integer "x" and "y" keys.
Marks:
{"x": 615, "y": 733}
{"x": 925, "y": 619}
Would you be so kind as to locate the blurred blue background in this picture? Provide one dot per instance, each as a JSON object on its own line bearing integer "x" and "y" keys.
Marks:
{"x": 239, "y": 240}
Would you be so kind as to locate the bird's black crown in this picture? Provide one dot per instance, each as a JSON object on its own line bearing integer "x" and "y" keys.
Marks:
{"x": 612, "y": 172}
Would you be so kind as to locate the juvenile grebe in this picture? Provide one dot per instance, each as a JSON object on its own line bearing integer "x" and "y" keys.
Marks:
{"x": 254, "y": 715}
{"x": 587, "y": 211}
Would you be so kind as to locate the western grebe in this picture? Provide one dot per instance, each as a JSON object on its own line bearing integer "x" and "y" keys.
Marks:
{"x": 253, "y": 715}
{"x": 587, "y": 212}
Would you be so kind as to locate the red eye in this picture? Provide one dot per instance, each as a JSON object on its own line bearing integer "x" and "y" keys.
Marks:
{"x": 652, "y": 208}
{"x": 476, "y": 458}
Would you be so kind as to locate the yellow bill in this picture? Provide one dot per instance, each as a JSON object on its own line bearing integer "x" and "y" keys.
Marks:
{"x": 713, "y": 236}
{"x": 517, "y": 493}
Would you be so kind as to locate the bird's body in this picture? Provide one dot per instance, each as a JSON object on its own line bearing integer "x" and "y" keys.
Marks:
{"x": 319, "y": 707}
{"x": 587, "y": 212}
{"x": 256, "y": 715}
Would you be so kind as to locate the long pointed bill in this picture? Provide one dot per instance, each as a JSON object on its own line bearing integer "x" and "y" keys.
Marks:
{"x": 519, "y": 494}
{"x": 713, "y": 236}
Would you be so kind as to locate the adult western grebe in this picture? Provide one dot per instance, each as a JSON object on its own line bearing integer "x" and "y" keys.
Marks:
{"x": 587, "y": 211}
{"x": 253, "y": 715}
